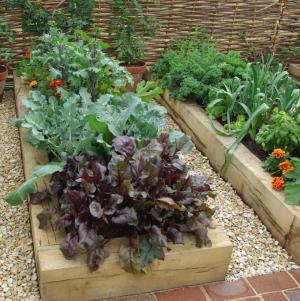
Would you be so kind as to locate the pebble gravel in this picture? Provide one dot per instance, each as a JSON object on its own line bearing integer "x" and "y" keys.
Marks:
{"x": 255, "y": 251}
{"x": 18, "y": 278}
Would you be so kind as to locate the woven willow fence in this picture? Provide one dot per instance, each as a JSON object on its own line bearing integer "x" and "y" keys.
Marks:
{"x": 262, "y": 24}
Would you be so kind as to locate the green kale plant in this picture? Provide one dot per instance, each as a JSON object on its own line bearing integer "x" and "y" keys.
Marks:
{"x": 190, "y": 68}
{"x": 282, "y": 131}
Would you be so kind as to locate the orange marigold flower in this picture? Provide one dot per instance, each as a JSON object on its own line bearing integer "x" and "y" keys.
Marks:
{"x": 286, "y": 166}
{"x": 278, "y": 183}
{"x": 278, "y": 153}
{"x": 33, "y": 83}
{"x": 27, "y": 55}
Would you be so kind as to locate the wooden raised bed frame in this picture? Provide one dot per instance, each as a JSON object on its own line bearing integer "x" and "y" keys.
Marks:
{"x": 62, "y": 279}
{"x": 294, "y": 70}
{"x": 245, "y": 173}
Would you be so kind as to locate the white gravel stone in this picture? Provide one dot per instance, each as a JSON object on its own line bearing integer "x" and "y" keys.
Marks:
{"x": 17, "y": 269}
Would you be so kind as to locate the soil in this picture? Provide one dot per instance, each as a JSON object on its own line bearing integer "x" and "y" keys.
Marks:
{"x": 255, "y": 149}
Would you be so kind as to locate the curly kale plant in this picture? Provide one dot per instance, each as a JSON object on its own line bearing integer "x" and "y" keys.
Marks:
{"x": 144, "y": 194}
{"x": 282, "y": 131}
{"x": 190, "y": 69}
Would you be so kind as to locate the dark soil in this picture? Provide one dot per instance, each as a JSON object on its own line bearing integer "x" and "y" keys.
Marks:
{"x": 255, "y": 149}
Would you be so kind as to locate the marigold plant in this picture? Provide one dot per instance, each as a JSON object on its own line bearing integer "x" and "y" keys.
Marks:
{"x": 278, "y": 183}
{"x": 285, "y": 166}
{"x": 278, "y": 153}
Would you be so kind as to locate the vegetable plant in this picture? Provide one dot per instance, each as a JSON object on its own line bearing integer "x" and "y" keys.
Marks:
{"x": 191, "y": 67}
{"x": 282, "y": 131}
{"x": 74, "y": 125}
{"x": 144, "y": 194}
{"x": 77, "y": 60}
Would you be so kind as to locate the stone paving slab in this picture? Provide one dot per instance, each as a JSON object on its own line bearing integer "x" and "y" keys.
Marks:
{"x": 281, "y": 286}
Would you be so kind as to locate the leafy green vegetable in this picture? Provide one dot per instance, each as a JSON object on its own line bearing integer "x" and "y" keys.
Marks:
{"x": 191, "y": 67}
{"x": 282, "y": 131}
{"x": 22, "y": 193}
{"x": 148, "y": 90}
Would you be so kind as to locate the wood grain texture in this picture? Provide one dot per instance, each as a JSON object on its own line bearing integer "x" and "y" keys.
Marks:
{"x": 294, "y": 70}
{"x": 183, "y": 265}
{"x": 64, "y": 280}
{"x": 244, "y": 173}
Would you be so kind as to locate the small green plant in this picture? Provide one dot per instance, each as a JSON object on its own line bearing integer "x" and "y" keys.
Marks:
{"x": 282, "y": 131}
{"x": 148, "y": 90}
{"x": 128, "y": 27}
{"x": 7, "y": 36}
{"x": 76, "y": 14}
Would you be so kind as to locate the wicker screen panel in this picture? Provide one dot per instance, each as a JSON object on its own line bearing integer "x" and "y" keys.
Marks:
{"x": 234, "y": 24}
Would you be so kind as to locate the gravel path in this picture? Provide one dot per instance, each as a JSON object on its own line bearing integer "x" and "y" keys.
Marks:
{"x": 255, "y": 251}
{"x": 18, "y": 280}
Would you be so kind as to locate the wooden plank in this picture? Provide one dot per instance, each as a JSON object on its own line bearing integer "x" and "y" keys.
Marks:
{"x": 294, "y": 70}
{"x": 183, "y": 265}
{"x": 32, "y": 157}
{"x": 244, "y": 173}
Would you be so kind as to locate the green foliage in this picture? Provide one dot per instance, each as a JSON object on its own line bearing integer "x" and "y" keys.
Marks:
{"x": 282, "y": 131}
{"x": 127, "y": 29}
{"x": 22, "y": 193}
{"x": 148, "y": 91}
{"x": 7, "y": 36}
{"x": 191, "y": 67}
{"x": 271, "y": 164}
{"x": 292, "y": 185}
{"x": 77, "y": 14}
{"x": 77, "y": 59}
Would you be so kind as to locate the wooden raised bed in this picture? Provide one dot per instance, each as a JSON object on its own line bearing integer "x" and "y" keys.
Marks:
{"x": 294, "y": 70}
{"x": 245, "y": 173}
{"x": 62, "y": 279}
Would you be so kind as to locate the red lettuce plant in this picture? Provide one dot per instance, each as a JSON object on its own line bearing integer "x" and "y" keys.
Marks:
{"x": 144, "y": 194}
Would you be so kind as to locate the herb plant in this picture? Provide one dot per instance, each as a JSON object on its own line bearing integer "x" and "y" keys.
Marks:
{"x": 282, "y": 131}
{"x": 144, "y": 194}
